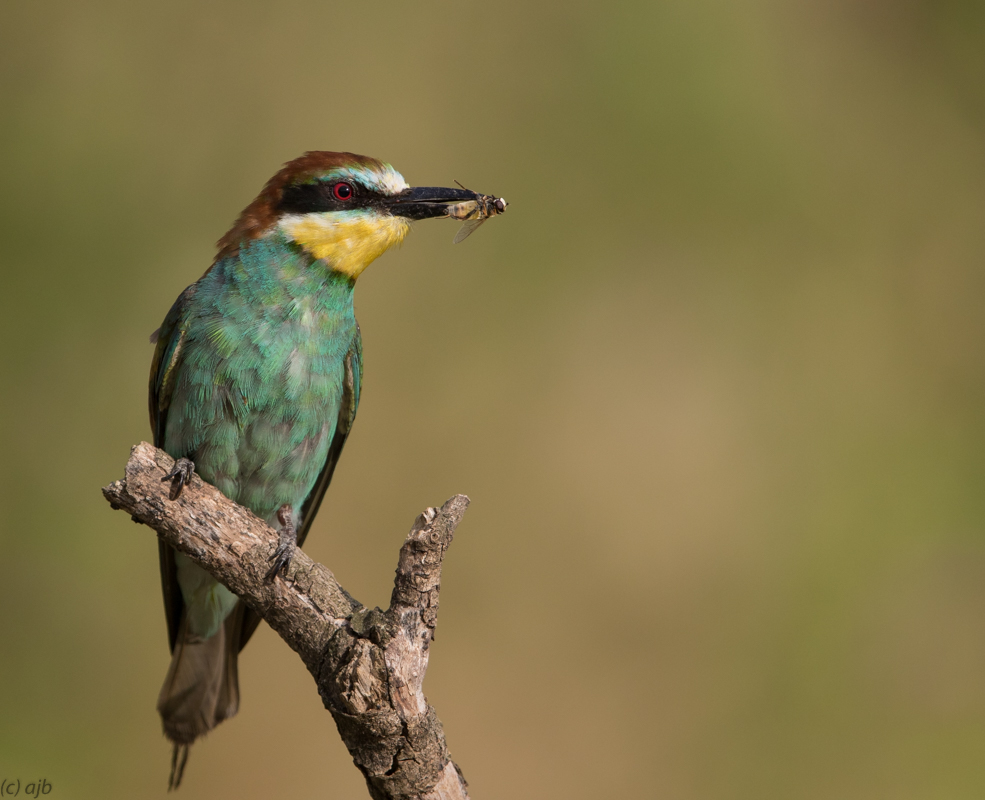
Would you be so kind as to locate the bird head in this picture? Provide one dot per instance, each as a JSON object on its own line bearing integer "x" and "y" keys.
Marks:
{"x": 342, "y": 208}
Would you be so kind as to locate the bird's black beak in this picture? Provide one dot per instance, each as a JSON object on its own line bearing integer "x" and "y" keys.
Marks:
{"x": 425, "y": 202}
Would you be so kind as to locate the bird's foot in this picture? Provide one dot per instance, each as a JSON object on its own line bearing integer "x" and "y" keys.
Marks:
{"x": 287, "y": 545}
{"x": 180, "y": 475}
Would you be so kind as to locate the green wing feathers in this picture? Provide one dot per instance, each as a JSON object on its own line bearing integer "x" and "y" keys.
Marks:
{"x": 170, "y": 339}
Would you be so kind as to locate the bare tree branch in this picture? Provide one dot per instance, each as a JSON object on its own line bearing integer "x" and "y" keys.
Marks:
{"x": 368, "y": 664}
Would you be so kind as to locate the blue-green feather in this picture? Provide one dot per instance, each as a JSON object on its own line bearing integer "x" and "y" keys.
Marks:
{"x": 256, "y": 379}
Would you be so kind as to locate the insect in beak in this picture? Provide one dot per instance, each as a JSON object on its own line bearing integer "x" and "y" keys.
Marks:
{"x": 474, "y": 212}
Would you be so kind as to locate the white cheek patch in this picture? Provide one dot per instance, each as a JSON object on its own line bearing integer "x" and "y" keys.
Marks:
{"x": 391, "y": 181}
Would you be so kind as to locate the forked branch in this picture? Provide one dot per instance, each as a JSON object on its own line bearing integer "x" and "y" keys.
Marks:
{"x": 368, "y": 664}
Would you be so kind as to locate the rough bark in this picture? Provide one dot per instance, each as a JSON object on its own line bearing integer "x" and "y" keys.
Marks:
{"x": 368, "y": 664}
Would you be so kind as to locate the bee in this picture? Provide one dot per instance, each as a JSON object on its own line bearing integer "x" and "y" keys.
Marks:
{"x": 474, "y": 212}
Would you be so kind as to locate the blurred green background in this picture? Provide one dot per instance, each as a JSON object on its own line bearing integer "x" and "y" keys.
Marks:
{"x": 715, "y": 384}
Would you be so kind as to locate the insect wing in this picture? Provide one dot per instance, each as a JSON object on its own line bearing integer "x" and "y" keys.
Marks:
{"x": 467, "y": 227}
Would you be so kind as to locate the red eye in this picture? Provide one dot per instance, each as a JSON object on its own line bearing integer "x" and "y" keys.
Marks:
{"x": 342, "y": 191}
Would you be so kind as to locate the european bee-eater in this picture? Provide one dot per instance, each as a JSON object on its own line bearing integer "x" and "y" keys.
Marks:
{"x": 255, "y": 385}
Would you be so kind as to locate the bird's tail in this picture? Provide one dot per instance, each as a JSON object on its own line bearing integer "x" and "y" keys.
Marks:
{"x": 201, "y": 688}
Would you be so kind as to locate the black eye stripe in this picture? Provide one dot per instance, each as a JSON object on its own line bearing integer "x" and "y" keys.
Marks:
{"x": 306, "y": 198}
{"x": 312, "y": 198}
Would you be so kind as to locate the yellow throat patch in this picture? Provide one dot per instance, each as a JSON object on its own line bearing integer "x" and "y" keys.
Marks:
{"x": 348, "y": 240}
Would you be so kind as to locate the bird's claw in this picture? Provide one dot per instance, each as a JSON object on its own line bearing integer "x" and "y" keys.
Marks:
{"x": 283, "y": 554}
{"x": 180, "y": 475}
{"x": 286, "y": 547}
